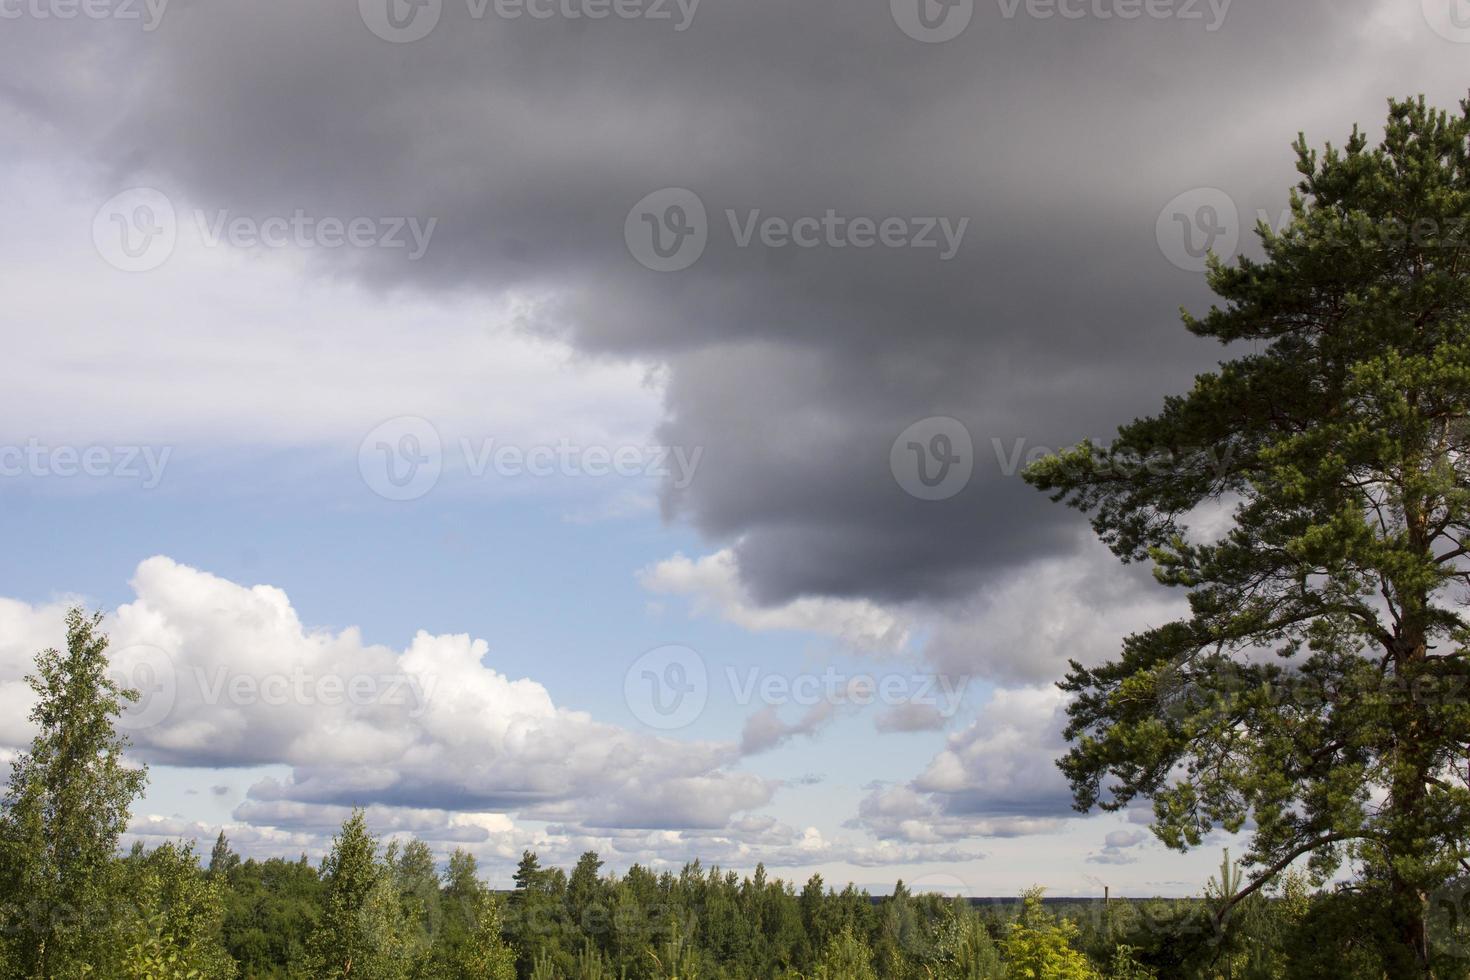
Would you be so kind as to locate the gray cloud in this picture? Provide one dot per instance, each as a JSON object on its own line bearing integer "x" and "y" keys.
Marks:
{"x": 796, "y": 369}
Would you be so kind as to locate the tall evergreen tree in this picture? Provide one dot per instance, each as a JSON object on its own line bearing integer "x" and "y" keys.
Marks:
{"x": 1319, "y": 686}
{"x": 536, "y": 924}
{"x": 65, "y": 808}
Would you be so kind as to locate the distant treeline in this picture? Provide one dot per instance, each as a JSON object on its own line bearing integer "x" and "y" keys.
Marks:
{"x": 72, "y": 907}
{"x": 388, "y": 912}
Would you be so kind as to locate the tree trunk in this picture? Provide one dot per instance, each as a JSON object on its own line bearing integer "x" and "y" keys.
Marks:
{"x": 1409, "y": 900}
{"x": 1409, "y": 911}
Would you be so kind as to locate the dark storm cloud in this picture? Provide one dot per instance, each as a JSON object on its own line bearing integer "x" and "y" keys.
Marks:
{"x": 1059, "y": 140}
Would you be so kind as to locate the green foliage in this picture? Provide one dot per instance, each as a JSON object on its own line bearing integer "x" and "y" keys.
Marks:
{"x": 1125, "y": 966}
{"x": 542, "y": 968}
{"x": 222, "y": 860}
{"x": 1040, "y": 947}
{"x": 1319, "y": 689}
{"x": 175, "y": 915}
{"x": 469, "y": 946}
{"x": 271, "y": 908}
{"x": 967, "y": 951}
{"x": 64, "y": 810}
{"x": 677, "y": 960}
{"x": 846, "y": 958}
{"x": 364, "y": 931}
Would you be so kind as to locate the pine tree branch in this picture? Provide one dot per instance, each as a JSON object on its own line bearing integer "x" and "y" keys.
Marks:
{"x": 1264, "y": 877}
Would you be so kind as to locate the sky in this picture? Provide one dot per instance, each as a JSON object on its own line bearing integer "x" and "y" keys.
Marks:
{"x": 596, "y": 424}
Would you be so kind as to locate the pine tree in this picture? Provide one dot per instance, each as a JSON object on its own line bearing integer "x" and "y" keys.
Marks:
{"x": 65, "y": 808}
{"x": 536, "y": 916}
{"x": 1342, "y": 441}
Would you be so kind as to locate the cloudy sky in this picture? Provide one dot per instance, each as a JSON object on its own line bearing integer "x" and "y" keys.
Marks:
{"x": 584, "y": 424}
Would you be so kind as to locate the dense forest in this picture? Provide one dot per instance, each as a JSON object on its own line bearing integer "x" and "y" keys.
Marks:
{"x": 389, "y": 910}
